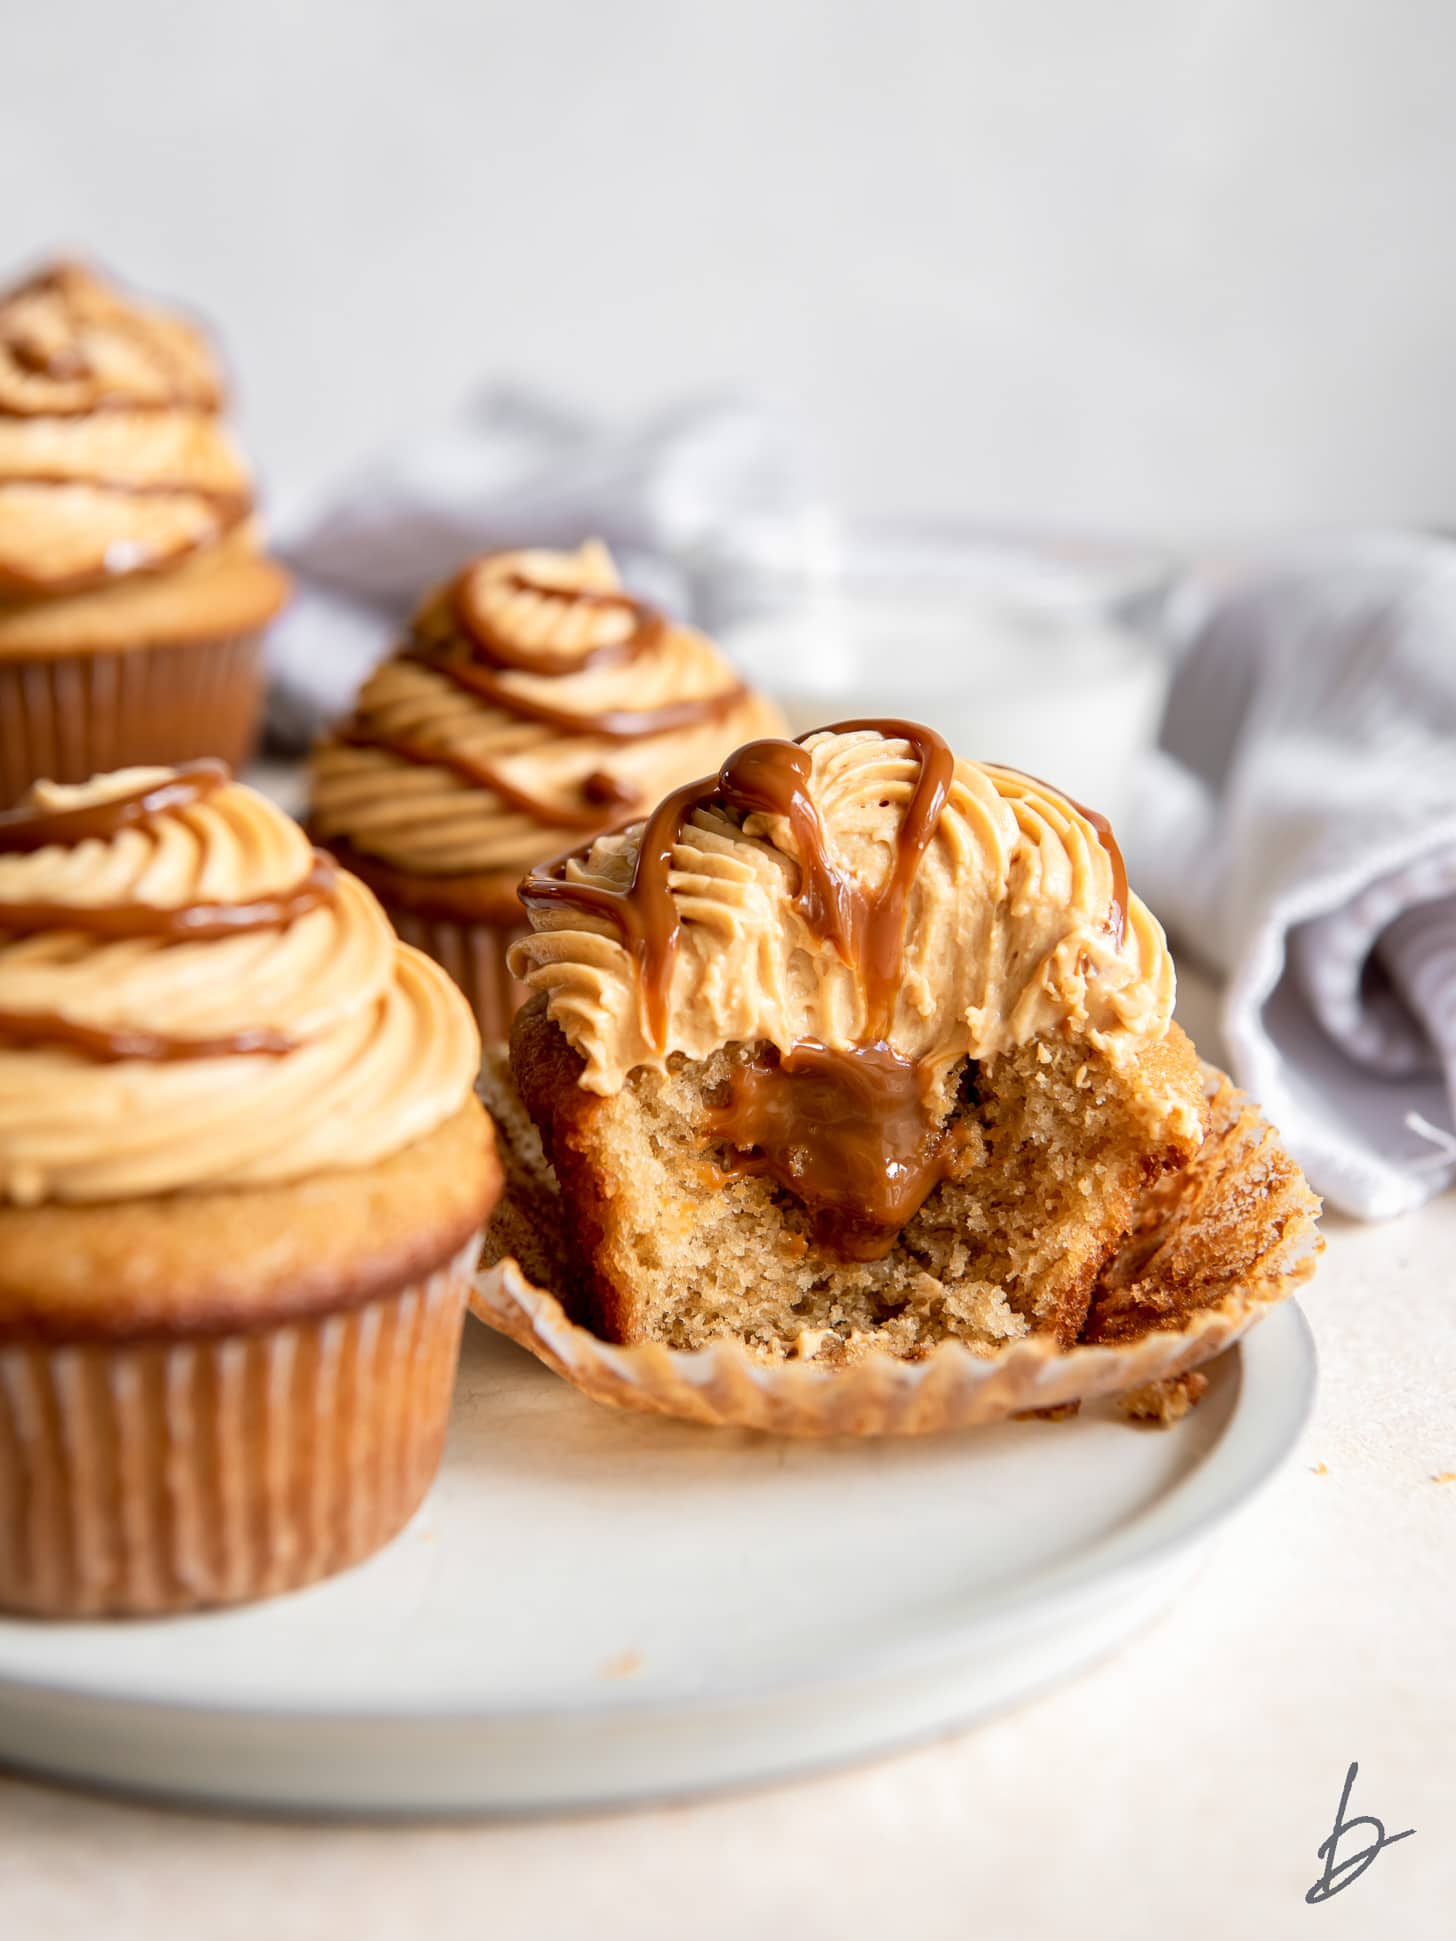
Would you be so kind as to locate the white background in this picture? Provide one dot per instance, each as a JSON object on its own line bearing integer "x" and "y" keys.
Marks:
{"x": 1122, "y": 264}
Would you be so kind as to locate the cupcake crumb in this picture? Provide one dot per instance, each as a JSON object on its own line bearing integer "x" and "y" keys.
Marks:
{"x": 1444, "y": 1476}
{"x": 1060, "y": 1412}
{"x": 1319, "y": 1469}
{"x": 626, "y": 1664}
{"x": 1158, "y": 1405}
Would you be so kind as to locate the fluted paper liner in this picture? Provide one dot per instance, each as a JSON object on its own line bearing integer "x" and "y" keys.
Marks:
{"x": 139, "y": 1478}
{"x": 1213, "y": 1249}
{"x": 474, "y": 956}
{"x": 67, "y": 717}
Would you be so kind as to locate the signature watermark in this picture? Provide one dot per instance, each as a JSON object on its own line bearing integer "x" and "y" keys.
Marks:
{"x": 1340, "y": 1874}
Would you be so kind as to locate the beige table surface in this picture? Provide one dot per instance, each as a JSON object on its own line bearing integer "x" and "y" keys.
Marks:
{"x": 1180, "y": 1789}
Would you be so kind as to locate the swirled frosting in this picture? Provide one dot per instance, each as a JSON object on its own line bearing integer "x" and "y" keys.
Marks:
{"x": 113, "y": 456}
{"x": 190, "y": 998}
{"x": 892, "y": 895}
{"x": 534, "y": 701}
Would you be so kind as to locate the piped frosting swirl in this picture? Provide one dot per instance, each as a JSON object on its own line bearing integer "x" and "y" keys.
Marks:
{"x": 113, "y": 456}
{"x": 861, "y": 888}
{"x": 535, "y": 699}
{"x": 190, "y": 997}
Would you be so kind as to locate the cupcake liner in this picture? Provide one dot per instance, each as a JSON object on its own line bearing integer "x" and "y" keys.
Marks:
{"x": 474, "y": 956}
{"x": 1213, "y": 1250}
{"x": 155, "y": 1476}
{"x": 67, "y": 717}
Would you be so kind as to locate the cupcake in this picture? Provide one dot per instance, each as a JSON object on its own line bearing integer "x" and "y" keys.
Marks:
{"x": 132, "y": 589}
{"x": 242, "y": 1179}
{"x": 535, "y": 703}
{"x": 849, "y": 1098}
{"x": 857, "y": 1046}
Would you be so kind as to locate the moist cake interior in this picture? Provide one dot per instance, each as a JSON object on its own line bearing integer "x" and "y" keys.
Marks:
{"x": 678, "y": 1234}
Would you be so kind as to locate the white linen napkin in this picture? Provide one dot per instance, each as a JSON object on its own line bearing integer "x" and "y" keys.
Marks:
{"x": 1297, "y": 828}
{"x": 516, "y": 469}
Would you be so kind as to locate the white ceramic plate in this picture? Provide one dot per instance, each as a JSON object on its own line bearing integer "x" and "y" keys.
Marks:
{"x": 596, "y": 1608}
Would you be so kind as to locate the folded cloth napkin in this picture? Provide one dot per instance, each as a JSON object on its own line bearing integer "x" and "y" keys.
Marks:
{"x": 1297, "y": 828}
{"x": 517, "y": 469}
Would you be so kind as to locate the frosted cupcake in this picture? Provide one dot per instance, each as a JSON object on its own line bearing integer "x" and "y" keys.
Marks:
{"x": 850, "y": 1100}
{"x": 534, "y": 703}
{"x": 242, "y": 1177}
{"x": 133, "y": 593}
{"x": 855, "y": 1047}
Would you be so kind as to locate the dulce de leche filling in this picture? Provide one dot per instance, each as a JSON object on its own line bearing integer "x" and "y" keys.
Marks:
{"x": 535, "y": 697}
{"x": 190, "y": 996}
{"x": 868, "y": 912}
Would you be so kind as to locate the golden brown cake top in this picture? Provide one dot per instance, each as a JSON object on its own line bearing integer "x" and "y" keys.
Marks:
{"x": 535, "y": 701}
{"x": 863, "y": 888}
{"x": 113, "y": 457}
{"x": 192, "y": 998}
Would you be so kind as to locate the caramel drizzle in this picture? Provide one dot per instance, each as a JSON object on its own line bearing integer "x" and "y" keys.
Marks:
{"x": 179, "y": 922}
{"x": 1117, "y": 909}
{"x": 124, "y": 557}
{"x": 48, "y": 1030}
{"x": 497, "y": 649}
{"x": 600, "y": 792}
{"x": 478, "y": 653}
{"x": 228, "y": 505}
{"x": 27, "y": 830}
{"x": 612, "y": 724}
{"x": 69, "y": 363}
{"x": 867, "y": 928}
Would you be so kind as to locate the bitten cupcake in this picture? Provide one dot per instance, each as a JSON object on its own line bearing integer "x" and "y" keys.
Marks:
{"x": 859, "y": 1108}
{"x": 852, "y": 1046}
{"x": 242, "y": 1179}
{"x": 133, "y": 591}
{"x": 534, "y": 703}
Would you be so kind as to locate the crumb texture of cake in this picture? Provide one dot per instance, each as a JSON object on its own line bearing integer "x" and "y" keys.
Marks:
{"x": 853, "y": 1046}
{"x": 1047, "y": 1169}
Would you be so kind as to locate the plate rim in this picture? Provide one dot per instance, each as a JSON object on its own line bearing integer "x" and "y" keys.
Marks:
{"x": 1269, "y": 1414}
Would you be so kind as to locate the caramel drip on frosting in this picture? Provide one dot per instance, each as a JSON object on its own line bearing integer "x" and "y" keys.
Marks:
{"x": 29, "y": 828}
{"x": 1117, "y": 910}
{"x": 192, "y": 999}
{"x": 114, "y": 459}
{"x": 558, "y": 815}
{"x": 497, "y": 647}
{"x": 866, "y": 927}
{"x": 545, "y": 698}
{"x": 458, "y": 664}
{"x": 229, "y": 505}
{"x": 45, "y": 323}
{"x": 49, "y": 1029}
{"x": 181, "y": 922}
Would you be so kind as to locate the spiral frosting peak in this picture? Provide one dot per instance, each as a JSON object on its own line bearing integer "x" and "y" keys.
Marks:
{"x": 535, "y": 700}
{"x": 113, "y": 457}
{"x": 862, "y": 888}
{"x": 191, "y": 998}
